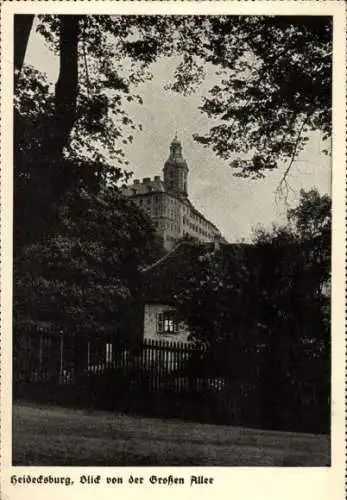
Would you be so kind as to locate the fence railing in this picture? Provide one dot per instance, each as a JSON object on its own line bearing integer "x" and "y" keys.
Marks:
{"x": 41, "y": 356}
{"x": 178, "y": 378}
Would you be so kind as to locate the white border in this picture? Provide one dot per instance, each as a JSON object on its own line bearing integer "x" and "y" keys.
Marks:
{"x": 238, "y": 483}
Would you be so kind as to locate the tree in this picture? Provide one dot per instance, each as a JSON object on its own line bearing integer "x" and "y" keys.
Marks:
{"x": 295, "y": 312}
{"x": 66, "y": 86}
{"x": 275, "y": 88}
{"x": 88, "y": 114}
{"x": 312, "y": 217}
{"x": 41, "y": 179}
{"x": 60, "y": 137}
{"x": 84, "y": 276}
{"x": 78, "y": 244}
{"x": 78, "y": 268}
{"x": 264, "y": 310}
{"x": 203, "y": 290}
{"x": 275, "y": 76}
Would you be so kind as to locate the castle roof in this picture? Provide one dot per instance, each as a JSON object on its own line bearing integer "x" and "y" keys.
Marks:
{"x": 147, "y": 185}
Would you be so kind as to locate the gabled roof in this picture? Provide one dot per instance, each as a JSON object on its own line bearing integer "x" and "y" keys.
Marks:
{"x": 162, "y": 279}
{"x": 159, "y": 279}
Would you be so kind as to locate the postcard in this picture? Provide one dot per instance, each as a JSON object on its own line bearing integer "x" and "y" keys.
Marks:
{"x": 173, "y": 249}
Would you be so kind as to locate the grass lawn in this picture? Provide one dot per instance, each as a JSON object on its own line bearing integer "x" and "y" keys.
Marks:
{"x": 48, "y": 435}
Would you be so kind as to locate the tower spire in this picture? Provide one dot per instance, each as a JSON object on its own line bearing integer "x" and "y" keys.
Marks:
{"x": 176, "y": 169}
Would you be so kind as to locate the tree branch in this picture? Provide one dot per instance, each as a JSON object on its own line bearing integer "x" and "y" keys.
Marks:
{"x": 283, "y": 181}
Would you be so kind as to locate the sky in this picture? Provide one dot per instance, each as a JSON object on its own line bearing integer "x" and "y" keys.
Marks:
{"x": 235, "y": 205}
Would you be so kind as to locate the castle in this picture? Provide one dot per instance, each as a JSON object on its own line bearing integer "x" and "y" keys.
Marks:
{"x": 166, "y": 202}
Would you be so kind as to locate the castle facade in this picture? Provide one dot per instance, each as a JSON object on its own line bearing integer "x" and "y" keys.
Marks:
{"x": 167, "y": 203}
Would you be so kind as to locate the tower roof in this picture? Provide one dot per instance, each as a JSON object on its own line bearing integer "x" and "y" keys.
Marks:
{"x": 175, "y": 140}
{"x": 176, "y": 156}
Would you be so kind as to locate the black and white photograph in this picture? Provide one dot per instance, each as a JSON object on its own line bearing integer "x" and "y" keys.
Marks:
{"x": 172, "y": 240}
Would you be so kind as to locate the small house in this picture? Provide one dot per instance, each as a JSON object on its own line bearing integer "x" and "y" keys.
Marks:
{"x": 160, "y": 282}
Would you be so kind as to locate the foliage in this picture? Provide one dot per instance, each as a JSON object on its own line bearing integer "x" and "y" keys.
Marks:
{"x": 242, "y": 286}
{"x": 275, "y": 90}
{"x": 78, "y": 245}
{"x": 312, "y": 217}
{"x": 274, "y": 84}
{"x": 84, "y": 276}
{"x": 40, "y": 178}
{"x": 109, "y": 73}
{"x": 203, "y": 294}
{"x": 264, "y": 309}
{"x": 35, "y": 127}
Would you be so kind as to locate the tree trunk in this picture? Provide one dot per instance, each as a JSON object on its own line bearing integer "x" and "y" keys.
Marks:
{"x": 59, "y": 172}
{"x": 56, "y": 176}
{"x": 67, "y": 85}
{"x": 22, "y": 27}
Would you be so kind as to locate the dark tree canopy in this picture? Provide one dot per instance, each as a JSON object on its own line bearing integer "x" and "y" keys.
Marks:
{"x": 42, "y": 175}
{"x": 78, "y": 244}
{"x": 263, "y": 309}
{"x": 280, "y": 282}
{"x": 273, "y": 89}
{"x": 85, "y": 275}
{"x": 312, "y": 216}
{"x": 276, "y": 88}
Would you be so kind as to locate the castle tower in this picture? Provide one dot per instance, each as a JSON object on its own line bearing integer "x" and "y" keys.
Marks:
{"x": 176, "y": 171}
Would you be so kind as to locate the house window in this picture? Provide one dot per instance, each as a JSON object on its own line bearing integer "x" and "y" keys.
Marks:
{"x": 167, "y": 322}
{"x": 108, "y": 352}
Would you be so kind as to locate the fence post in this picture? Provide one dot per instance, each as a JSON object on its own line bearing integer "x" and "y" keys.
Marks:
{"x": 61, "y": 372}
